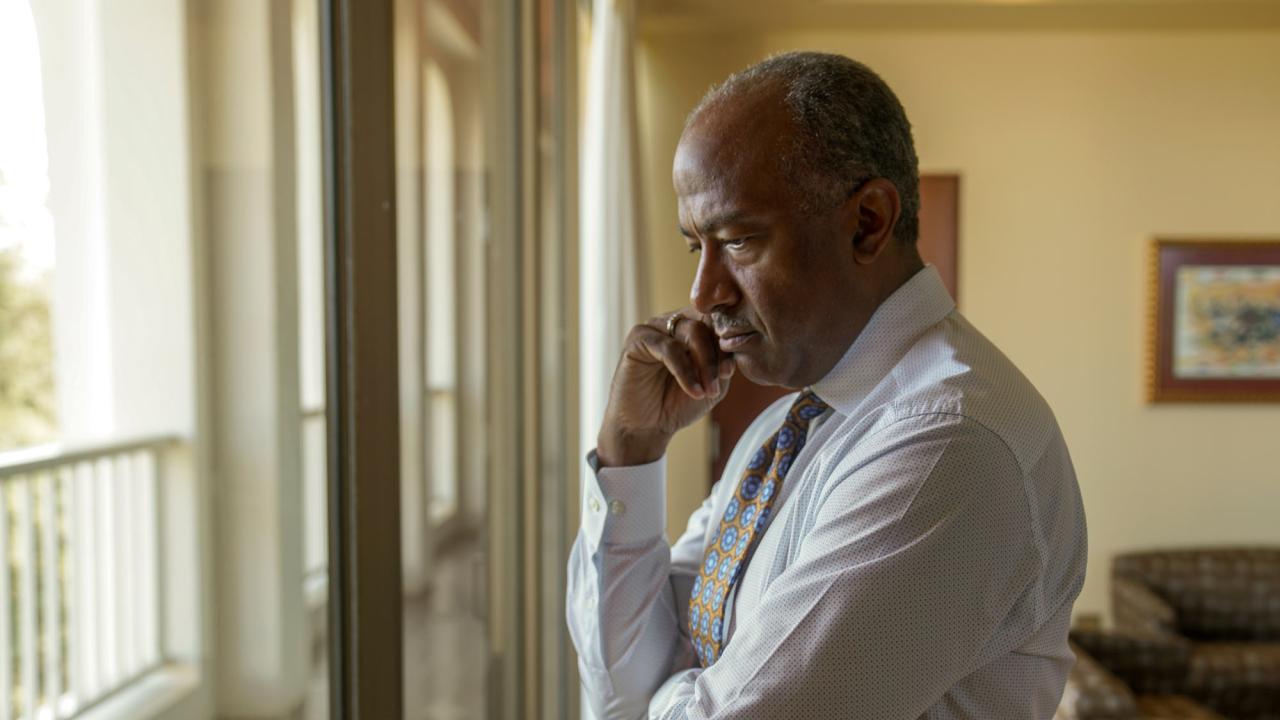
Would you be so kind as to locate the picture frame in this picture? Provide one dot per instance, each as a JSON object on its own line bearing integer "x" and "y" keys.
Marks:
{"x": 1214, "y": 325}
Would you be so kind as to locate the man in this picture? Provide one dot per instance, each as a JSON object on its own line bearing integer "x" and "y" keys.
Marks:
{"x": 903, "y": 537}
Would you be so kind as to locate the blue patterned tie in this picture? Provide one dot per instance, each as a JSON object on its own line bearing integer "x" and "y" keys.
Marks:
{"x": 743, "y": 521}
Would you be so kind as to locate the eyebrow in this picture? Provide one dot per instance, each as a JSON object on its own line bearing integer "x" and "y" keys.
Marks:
{"x": 733, "y": 217}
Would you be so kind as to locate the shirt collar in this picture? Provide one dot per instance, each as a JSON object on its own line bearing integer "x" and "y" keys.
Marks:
{"x": 895, "y": 326}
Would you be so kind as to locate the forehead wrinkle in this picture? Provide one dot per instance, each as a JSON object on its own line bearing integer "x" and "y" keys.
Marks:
{"x": 707, "y": 212}
{"x": 722, "y": 220}
{"x": 726, "y": 164}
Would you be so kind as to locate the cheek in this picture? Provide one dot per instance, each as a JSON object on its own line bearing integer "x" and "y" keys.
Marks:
{"x": 794, "y": 293}
{"x": 806, "y": 302}
{"x": 783, "y": 305}
{"x": 760, "y": 293}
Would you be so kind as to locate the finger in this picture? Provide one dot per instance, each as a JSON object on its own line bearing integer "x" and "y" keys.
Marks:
{"x": 674, "y": 355}
{"x": 726, "y": 369}
{"x": 727, "y": 366}
{"x": 703, "y": 348}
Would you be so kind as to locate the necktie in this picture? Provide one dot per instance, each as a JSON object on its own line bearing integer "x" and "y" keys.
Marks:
{"x": 742, "y": 523}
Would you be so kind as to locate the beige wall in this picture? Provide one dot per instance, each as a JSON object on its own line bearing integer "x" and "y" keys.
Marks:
{"x": 1074, "y": 149}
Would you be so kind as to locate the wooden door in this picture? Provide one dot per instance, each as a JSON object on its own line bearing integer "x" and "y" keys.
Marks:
{"x": 938, "y": 243}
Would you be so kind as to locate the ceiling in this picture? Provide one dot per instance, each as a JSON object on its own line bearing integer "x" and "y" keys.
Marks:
{"x": 731, "y": 15}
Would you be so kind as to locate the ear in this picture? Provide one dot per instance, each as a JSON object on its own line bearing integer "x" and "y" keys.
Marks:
{"x": 870, "y": 215}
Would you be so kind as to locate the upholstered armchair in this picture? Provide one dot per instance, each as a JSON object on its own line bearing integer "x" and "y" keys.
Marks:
{"x": 1224, "y": 606}
{"x": 1197, "y": 636}
{"x": 1121, "y": 675}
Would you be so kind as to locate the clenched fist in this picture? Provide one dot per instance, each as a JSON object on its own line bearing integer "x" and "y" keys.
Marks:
{"x": 662, "y": 384}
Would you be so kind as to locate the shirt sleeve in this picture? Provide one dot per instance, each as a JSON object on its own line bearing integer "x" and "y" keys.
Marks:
{"x": 918, "y": 567}
{"x": 628, "y": 590}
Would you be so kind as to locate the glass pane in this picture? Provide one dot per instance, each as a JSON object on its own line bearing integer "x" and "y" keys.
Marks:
{"x": 442, "y": 218}
{"x": 304, "y": 29}
{"x": 443, "y": 468}
{"x": 441, "y": 144}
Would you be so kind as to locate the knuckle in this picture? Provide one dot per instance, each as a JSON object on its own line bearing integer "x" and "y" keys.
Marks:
{"x": 665, "y": 346}
{"x": 700, "y": 339}
{"x": 638, "y": 334}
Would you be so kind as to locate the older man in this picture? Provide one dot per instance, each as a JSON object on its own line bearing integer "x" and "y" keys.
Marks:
{"x": 903, "y": 537}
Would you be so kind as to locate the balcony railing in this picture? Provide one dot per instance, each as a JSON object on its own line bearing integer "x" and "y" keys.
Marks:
{"x": 315, "y": 515}
{"x": 80, "y": 585}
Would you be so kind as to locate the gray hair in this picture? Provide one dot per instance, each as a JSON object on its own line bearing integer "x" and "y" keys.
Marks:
{"x": 850, "y": 128}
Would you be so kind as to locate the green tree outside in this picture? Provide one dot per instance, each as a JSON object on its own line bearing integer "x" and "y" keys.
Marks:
{"x": 27, "y": 406}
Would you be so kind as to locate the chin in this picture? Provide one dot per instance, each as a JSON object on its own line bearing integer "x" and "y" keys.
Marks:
{"x": 761, "y": 373}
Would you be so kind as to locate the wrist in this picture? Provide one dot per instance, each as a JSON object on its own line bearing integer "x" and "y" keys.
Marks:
{"x": 622, "y": 449}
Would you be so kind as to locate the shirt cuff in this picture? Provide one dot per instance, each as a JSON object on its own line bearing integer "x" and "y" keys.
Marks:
{"x": 624, "y": 505}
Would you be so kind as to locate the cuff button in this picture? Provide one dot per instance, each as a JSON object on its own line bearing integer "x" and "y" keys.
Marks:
{"x": 617, "y": 507}
{"x": 594, "y": 504}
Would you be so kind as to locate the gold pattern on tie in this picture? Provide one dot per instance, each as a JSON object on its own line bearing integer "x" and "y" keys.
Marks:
{"x": 741, "y": 525}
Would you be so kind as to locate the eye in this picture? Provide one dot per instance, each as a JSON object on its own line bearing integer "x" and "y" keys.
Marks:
{"x": 735, "y": 243}
{"x": 695, "y": 248}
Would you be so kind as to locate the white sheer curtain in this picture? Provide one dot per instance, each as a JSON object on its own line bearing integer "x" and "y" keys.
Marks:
{"x": 612, "y": 278}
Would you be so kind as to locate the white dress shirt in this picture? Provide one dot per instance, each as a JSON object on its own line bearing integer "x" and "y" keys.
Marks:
{"x": 921, "y": 561}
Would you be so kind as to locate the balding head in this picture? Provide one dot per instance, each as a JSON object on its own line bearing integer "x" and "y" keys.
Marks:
{"x": 796, "y": 228}
{"x": 845, "y": 126}
{"x": 741, "y": 143}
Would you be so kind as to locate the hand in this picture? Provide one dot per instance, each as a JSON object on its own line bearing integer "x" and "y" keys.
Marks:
{"x": 662, "y": 384}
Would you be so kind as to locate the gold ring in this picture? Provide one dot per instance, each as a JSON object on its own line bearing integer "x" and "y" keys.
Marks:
{"x": 672, "y": 322}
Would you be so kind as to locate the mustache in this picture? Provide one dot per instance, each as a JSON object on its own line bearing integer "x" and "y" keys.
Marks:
{"x": 725, "y": 324}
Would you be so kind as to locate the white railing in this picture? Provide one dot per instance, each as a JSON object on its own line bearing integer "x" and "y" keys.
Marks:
{"x": 315, "y": 506}
{"x": 80, "y": 586}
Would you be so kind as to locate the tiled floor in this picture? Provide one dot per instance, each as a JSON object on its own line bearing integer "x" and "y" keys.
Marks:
{"x": 444, "y": 645}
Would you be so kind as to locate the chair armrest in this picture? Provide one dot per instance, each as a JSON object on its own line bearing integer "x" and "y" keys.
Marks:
{"x": 1180, "y": 707}
{"x": 1094, "y": 693}
{"x": 1146, "y": 662}
{"x": 1136, "y": 607}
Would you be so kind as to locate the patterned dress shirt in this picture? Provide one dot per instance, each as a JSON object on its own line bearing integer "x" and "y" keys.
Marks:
{"x": 921, "y": 561}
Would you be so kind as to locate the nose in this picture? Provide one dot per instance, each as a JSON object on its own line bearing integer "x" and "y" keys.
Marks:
{"x": 714, "y": 288}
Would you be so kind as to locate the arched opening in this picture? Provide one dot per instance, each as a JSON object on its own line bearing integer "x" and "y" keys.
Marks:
{"x": 27, "y": 403}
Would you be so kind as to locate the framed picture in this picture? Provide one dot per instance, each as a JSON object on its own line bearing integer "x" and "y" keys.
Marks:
{"x": 1215, "y": 321}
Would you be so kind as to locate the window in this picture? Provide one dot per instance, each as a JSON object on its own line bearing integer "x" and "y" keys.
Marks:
{"x": 441, "y": 294}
